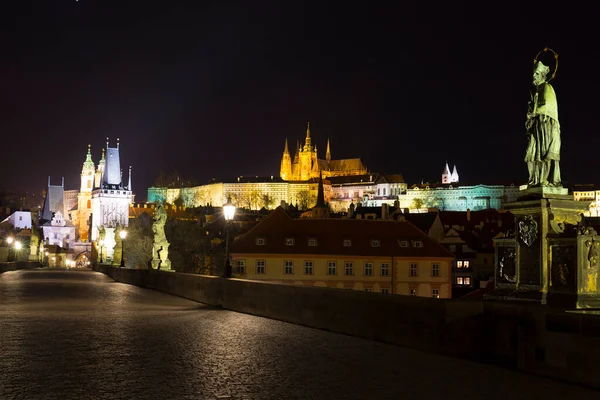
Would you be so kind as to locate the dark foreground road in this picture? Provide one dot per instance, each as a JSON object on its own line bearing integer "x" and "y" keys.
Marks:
{"x": 79, "y": 335}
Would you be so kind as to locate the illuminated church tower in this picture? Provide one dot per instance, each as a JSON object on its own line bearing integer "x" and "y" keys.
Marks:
{"x": 84, "y": 198}
{"x": 110, "y": 199}
{"x": 286, "y": 163}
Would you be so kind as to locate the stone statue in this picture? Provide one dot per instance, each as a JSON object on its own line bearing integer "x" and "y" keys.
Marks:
{"x": 543, "y": 129}
{"x": 101, "y": 233}
{"x": 160, "y": 247}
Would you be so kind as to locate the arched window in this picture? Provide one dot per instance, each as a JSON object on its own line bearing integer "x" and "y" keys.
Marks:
{"x": 89, "y": 204}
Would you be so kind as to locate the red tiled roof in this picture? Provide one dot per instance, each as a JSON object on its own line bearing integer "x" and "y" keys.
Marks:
{"x": 331, "y": 233}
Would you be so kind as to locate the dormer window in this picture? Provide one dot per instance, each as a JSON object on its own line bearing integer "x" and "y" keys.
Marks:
{"x": 289, "y": 241}
{"x": 375, "y": 243}
{"x": 403, "y": 243}
{"x": 347, "y": 242}
{"x": 260, "y": 241}
{"x": 312, "y": 241}
{"x": 418, "y": 243}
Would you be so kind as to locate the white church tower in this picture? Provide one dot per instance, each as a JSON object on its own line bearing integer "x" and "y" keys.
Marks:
{"x": 454, "y": 177}
{"x": 446, "y": 175}
{"x": 110, "y": 199}
{"x": 449, "y": 177}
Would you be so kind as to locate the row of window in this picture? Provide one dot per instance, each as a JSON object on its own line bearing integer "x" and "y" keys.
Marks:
{"x": 435, "y": 293}
{"x": 463, "y": 280}
{"x": 290, "y": 241}
{"x": 368, "y": 269}
{"x": 462, "y": 264}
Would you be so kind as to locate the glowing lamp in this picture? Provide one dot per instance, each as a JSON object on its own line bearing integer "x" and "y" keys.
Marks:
{"x": 229, "y": 209}
{"x": 18, "y": 245}
{"x": 9, "y": 240}
{"x": 123, "y": 233}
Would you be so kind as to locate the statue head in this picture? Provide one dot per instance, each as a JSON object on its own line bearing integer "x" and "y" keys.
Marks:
{"x": 540, "y": 72}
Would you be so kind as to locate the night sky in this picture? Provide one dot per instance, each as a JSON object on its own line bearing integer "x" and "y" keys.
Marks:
{"x": 212, "y": 89}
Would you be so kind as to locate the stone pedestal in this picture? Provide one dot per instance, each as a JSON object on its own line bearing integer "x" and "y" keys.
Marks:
{"x": 160, "y": 256}
{"x": 543, "y": 259}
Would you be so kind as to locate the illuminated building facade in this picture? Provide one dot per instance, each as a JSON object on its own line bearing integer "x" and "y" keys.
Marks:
{"x": 390, "y": 257}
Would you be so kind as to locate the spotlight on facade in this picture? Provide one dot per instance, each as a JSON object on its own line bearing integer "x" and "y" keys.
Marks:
{"x": 123, "y": 235}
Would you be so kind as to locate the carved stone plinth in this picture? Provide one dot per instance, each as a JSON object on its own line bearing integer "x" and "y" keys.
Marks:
{"x": 542, "y": 260}
{"x": 160, "y": 256}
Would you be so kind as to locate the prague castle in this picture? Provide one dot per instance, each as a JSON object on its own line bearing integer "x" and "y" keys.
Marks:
{"x": 306, "y": 165}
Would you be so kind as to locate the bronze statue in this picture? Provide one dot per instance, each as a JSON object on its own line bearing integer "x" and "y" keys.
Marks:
{"x": 543, "y": 129}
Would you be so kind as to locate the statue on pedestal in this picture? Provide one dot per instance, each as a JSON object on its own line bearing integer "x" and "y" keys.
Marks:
{"x": 543, "y": 129}
{"x": 160, "y": 247}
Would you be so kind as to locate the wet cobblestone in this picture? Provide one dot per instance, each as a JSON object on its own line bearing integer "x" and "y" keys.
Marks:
{"x": 79, "y": 335}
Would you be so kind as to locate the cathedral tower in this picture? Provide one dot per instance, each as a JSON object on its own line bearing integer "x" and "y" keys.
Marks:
{"x": 328, "y": 153}
{"x": 306, "y": 157}
{"x": 454, "y": 177}
{"x": 286, "y": 163}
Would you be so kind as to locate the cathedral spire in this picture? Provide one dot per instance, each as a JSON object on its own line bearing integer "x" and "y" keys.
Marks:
{"x": 285, "y": 149}
{"x": 307, "y": 141}
{"x": 328, "y": 153}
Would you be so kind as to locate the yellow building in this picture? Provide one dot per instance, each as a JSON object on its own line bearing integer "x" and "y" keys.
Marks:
{"x": 306, "y": 164}
{"x": 391, "y": 257}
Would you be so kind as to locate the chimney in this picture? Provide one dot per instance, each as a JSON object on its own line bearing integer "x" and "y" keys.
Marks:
{"x": 385, "y": 211}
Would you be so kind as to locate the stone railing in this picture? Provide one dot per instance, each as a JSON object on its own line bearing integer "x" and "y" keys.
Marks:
{"x": 526, "y": 337}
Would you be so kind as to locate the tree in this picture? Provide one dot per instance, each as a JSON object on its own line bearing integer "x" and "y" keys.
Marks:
{"x": 254, "y": 199}
{"x": 303, "y": 198}
{"x": 138, "y": 244}
{"x": 417, "y": 203}
{"x": 267, "y": 201}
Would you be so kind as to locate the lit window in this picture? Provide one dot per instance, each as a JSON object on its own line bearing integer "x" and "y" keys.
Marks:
{"x": 435, "y": 293}
{"x": 459, "y": 264}
{"x": 260, "y": 241}
{"x": 240, "y": 266}
{"x": 288, "y": 267}
{"x": 89, "y": 184}
{"x": 385, "y": 269}
{"x": 467, "y": 280}
{"x": 385, "y": 290}
{"x": 459, "y": 280}
{"x": 466, "y": 264}
{"x": 368, "y": 289}
{"x": 435, "y": 270}
{"x": 368, "y": 269}
{"x": 331, "y": 268}
{"x": 348, "y": 268}
{"x": 403, "y": 243}
{"x": 289, "y": 241}
{"x": 374, "y": 242}
{"x": 413, "y": 270}
{"x": 312, "y": 242}
{"x": 347, "y": 242}
{"x": 418, "y": 243}
{"x": 260, "y": 266}
{"x": 413, "y": 292}
{"x": 308, "y": 267}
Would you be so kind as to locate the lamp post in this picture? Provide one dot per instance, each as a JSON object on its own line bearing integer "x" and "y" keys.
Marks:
{"x": 9, "y": 240}
{"x": 123, "y": 235}
{"x": 18, "y": 247}
{"x": 229, "y": 213}
{"x": 101, "y": 245}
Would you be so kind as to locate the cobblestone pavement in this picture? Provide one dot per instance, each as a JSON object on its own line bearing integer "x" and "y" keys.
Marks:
{"x": 79, "y": 335}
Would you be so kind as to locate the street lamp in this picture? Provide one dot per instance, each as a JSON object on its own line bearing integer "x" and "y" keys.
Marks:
{"x": 123, "y": 235}
{"x": 101, "y": 245}
{"x": 229, "y": 213}
{"x": 9, "y": 240}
